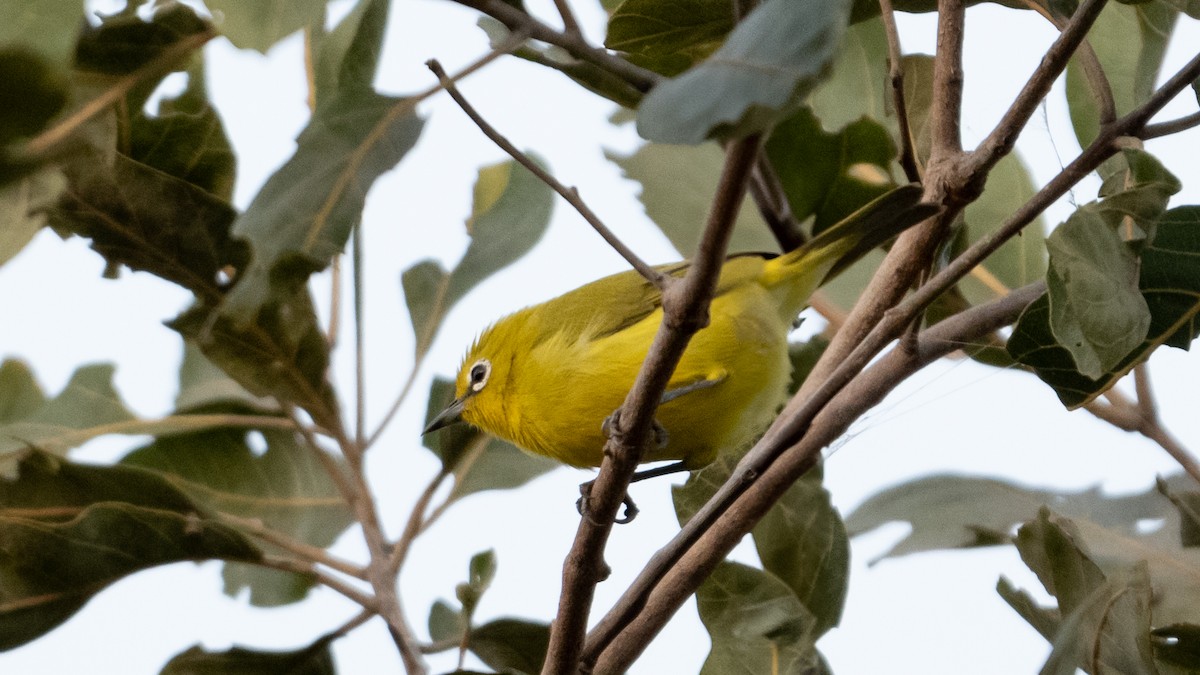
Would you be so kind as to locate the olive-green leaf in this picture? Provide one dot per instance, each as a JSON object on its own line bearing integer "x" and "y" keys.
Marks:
{"x": 1170, "y": 284}
{"x": 756, "y": 624}
{"x": 803, "y": 542}
{"x": 446, "y": 623}
{"x": 258, "y": 25}
{"x": 24, "y": 205}
{"x": 315, "y": 659}
{"x": 347, "y": 57}
{"x": 20, "y": 395}
{"x": 480, "y": 572}
{"x": 509, "y": 645}
{"x": 149, "y": 221}
{"x": 769, "y": 63}
{"x": 283, "y": 354}
{"x": 286, "y": 488}
{"x": 47, "y": 28}
{"x": 203, "y": 387}
{"x": 829, "y": 176}
{"x": 678, "y": 182}
{"x": 857, "y": 85}
{"x": 1130, "y": 41}
{"x": 669, "y": 37}
{"x": 85, "y": 407}
{"x": 186, "y": 138}
{"x": 302, "y": 217}
{"x": 1188, "y": 504}
{"x": 478, "y": 462}
{"x": 67, "y": 531}
{"x": 510, "y": 214}
{"x": 948, "y": 512}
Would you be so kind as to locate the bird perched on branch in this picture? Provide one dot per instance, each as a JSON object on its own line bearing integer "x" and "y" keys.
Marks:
{"x": 546, "y": 377}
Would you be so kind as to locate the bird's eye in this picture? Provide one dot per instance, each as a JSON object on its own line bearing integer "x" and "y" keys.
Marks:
{"x": 480, "y": 371}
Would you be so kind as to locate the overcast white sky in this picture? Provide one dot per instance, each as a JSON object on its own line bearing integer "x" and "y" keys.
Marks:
{"x": 934, "y": 613}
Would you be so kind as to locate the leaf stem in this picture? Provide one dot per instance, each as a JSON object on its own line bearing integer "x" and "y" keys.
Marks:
{"x": 305, "y": 550}
{"x": 295, "y": 566}
{"x": 570, "y": 194}
{"x": 1172, "y": 127}
{"x": 908, "y": 153}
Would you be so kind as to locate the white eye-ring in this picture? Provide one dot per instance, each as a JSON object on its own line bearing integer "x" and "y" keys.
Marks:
{"x": 480, "y": 370}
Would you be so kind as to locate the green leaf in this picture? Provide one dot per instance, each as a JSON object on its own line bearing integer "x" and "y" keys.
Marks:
{"x": 259, "y": 25}
{"x": 1130, "y": 42}
{"x": 481, "y": 571}
{"x": 1177, "y": 644}
{"x": 1096, "y": 310}
{"x": 803, "y": 542}
{"x": 302, "y": 217}
{"x": 315, "y": 659}
{"x": 756, "y": 624}
{"x": 678, "y": 182}
{"x": 510, "y": 214}
{"x": 511, "y": 644}
{"x": 149, "y": 221}
{"x": 857, "y": 85}
{"x": 1045, "y": 620}
{"x": 446, "y": 623}
{"x": 204, "y": 387}
{"x": 918, "y": 99}
{"x": 1106, "y": 619}
{"x": 24, "y": 204}
{"x": 479, "y": 462}
{"x": 185, "y": 138}
{"x": 1021, "y": 260}
{"x": 1170, "y": 283}
{"x": 669, "y": 37}
{"x": 829, "y": 176}
{"x": 286, "y": 489}
{"x": 80, "y": 412}
{"x": 41, "y": 88}
{"x": 1188, "y": 505}
{"x": 963, "y": 512}
{"x": 347, "y": 57}
{"x": 769, "y": 63}
{"x": 48, "y": 28}
{"x": 283, "y": 354}
{"x": 20, "y": 395}
{"x": 123, "y": 42}
{"x": 67, "y": 531}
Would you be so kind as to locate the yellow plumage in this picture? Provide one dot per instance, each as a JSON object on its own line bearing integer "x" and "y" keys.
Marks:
{"x": 546, "y": 377}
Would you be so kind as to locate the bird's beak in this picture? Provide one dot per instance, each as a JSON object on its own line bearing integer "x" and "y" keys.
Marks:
{"x": 451, "y": 415}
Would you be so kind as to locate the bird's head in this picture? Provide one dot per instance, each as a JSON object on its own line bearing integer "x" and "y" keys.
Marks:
{"x": 478, "y": 389}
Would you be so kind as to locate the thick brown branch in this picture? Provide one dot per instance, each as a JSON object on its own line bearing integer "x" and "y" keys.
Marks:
{"x": 685, "y": 310}
{"x": 570, "y": 194}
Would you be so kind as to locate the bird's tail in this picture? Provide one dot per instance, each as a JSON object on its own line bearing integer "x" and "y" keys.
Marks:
{"x": 802, "y": 270}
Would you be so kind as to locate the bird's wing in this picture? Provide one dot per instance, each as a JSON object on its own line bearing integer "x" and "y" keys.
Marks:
{"x": 612, "y": 304}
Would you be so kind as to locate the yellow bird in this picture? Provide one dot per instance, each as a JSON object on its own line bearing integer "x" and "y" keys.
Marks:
{"x": 545, "y": 378}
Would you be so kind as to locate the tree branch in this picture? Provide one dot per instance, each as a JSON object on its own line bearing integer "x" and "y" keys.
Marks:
{"x": 1001, "y": 140}
{"x": 570, "y": 194}
{"x": 685, "y": 311}
{"x": 784, "y": 452}
{"x": 908, "y": 153}
{"x": 521, "y": 22}
{"x": 639, "y": 617}
{"x": 305, "y": 550}
{"x": 1172, "y": 127}
{"x": 767, "y": 192}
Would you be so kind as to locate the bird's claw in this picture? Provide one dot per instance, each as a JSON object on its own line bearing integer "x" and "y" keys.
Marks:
{"x": 585, "y": 494}
{"x": 661, "y": 436}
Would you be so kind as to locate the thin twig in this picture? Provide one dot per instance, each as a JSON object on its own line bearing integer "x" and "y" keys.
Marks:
{"x": 1172, "y": 127}
{"x": 768, "y": 194}
{"x": 360, "y": 357}
{"x": 303, "y": 549}
{"x": 570, "y": 194}
{"x": 396, "y": 404}
{"x": 416, "y": 519}
{"x": 295, "y": 566}
{"x": 356, "y": 621}
{"x": 685, "y": 311}
{"x": 519, "y": 21}
{"x": 570, "y": 24}
{"x": 908, "y": 153}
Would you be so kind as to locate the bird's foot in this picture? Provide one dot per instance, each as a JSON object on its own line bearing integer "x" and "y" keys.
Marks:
{"x": 609, "y": 427}
{"x": 585, "y": 495}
